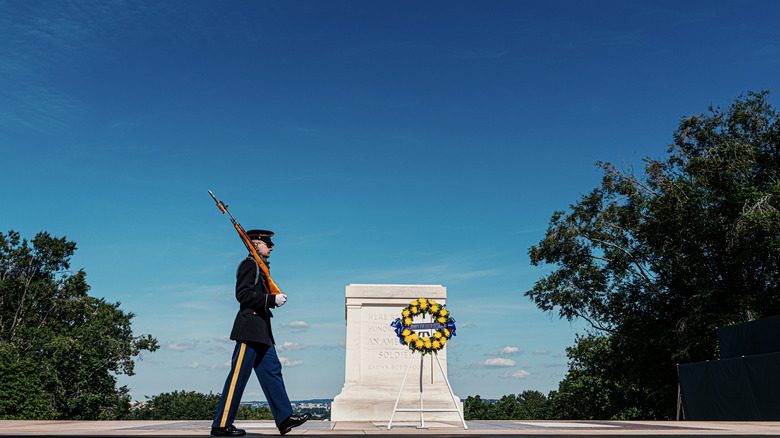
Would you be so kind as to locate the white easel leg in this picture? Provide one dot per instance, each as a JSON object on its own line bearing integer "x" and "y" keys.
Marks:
{"x": 422, "y": 419}
{"x": 452, "y": 394}
{"x": 400, "y": 391}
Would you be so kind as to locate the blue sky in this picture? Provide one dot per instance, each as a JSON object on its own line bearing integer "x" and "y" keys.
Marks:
{"x": 384, "y": 142}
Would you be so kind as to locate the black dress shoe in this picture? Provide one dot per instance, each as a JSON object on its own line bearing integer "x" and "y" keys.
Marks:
{"x": 293, "y": 421}
{"x": 227, "y": 431}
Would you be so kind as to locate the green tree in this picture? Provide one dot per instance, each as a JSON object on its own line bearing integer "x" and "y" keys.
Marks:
{"x": 179, "y": 405}
{"x": 75, "y": 344}
{"x": 247, "y": 413}
{"x": 474, "y": 408}
{"x": 506, "y": 408}
{"x": 534, "y": 405}
{"x": 656, "y": 262}
{"x": 528, "y": 405}
{"x": 585, "y": 382}
{"x": 22, "y": 395}
{"x": 191, "y": 405}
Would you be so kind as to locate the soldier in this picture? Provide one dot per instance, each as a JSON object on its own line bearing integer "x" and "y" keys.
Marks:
{"x": 255, "y": 346}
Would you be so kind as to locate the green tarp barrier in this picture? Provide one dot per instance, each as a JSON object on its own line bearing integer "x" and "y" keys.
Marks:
{"x": 739, "y": 389}
{"x": 755, "y": 337}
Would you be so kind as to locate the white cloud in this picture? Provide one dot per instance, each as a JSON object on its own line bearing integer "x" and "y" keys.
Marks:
{"x": 180, "y": 346}
{"x": 541, "y": 352}
{"x": 509, "y": 350}
{"x": 300, "y": 325}
{"x": 290, "y": 346}
{"x": 520, "y": 374}
{"x": 499, "y": 362}
{"x": 195, "y": 365}
{"x": 286, "y": 361}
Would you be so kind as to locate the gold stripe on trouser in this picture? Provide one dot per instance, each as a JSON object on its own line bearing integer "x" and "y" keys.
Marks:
{"x": 236, "y": 371}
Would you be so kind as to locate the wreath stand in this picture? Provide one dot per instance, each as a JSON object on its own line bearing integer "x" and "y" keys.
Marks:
{"x": 421, "y": 410}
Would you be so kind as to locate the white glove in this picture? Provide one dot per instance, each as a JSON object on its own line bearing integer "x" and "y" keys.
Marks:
{"x": 280, "y": 299}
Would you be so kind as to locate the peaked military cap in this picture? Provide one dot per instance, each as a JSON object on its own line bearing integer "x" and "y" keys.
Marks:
{"x": 261, "y": 235}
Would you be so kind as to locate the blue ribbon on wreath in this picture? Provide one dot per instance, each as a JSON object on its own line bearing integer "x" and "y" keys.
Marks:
{"x": 451, "y": 326}
{"x": 399, "y": 327}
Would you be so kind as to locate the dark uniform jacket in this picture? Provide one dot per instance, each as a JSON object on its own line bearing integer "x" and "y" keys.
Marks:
{"x": 253, "y": 321}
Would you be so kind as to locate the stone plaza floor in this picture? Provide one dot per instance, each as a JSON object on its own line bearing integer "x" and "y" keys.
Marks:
{"x": 476, "y": 428}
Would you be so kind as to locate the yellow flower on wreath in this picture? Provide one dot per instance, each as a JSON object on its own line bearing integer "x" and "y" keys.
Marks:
{"x": 415, "y": 336}
{"x": 407, "y": 339}
{"x": 423, "y": 305}
{"x": 418, "y": 343}
{"x": 436, "y": 345}
{"x": 414, "y": 310}
{"x": 427, "y": 342}
{"x": 422, "y": 300}
{"x": 437, "y": 335}
{"x": 443, "y": 312}
{"x": 406, "y": 332}
{"x": 405, "y": 313}
{"x": 443, "y": 341}
{"x": 407, "y": 321}
{"x": 442, "y": 320}
{"x": 447, "y": 333}
{"x": 434, "y": 308}
{"x": 413, "y": 303}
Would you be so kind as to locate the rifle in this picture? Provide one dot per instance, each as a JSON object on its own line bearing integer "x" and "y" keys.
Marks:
{"x": 248, "y": 243}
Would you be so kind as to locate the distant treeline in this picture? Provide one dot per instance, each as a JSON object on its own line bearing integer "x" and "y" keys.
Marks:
{"x": 193, "y": 405}
{"x": 528, "y": 405}
{"x": 189, "y": 405}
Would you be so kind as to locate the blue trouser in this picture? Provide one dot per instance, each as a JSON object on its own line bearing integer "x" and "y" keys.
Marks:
{"x": 265, "y": 362}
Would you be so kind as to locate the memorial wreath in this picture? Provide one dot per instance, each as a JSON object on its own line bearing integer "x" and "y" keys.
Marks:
{"x": 443, "y": 325}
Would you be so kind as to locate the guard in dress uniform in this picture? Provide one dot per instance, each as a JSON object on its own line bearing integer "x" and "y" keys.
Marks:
{"x": 255, "y": 345}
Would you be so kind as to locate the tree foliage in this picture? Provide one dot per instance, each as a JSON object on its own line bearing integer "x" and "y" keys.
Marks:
{"x": 528, "y": 405}
{"x": 191, "y": 405}
{"x": 22, "y": 396}
{"x": 248, "y": 413}
{"x": 656, "y": 262}
{"x": 66, "y": 344}
{"x": 178, "y": 405}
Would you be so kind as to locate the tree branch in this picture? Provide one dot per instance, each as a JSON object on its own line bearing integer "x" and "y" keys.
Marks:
{"x": 593, "y": 323}
{"x": 643, "y": 185}
{"x": 644, "y": 273}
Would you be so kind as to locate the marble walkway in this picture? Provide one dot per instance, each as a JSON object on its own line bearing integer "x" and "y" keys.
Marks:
{"x": 478, "y": 428}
